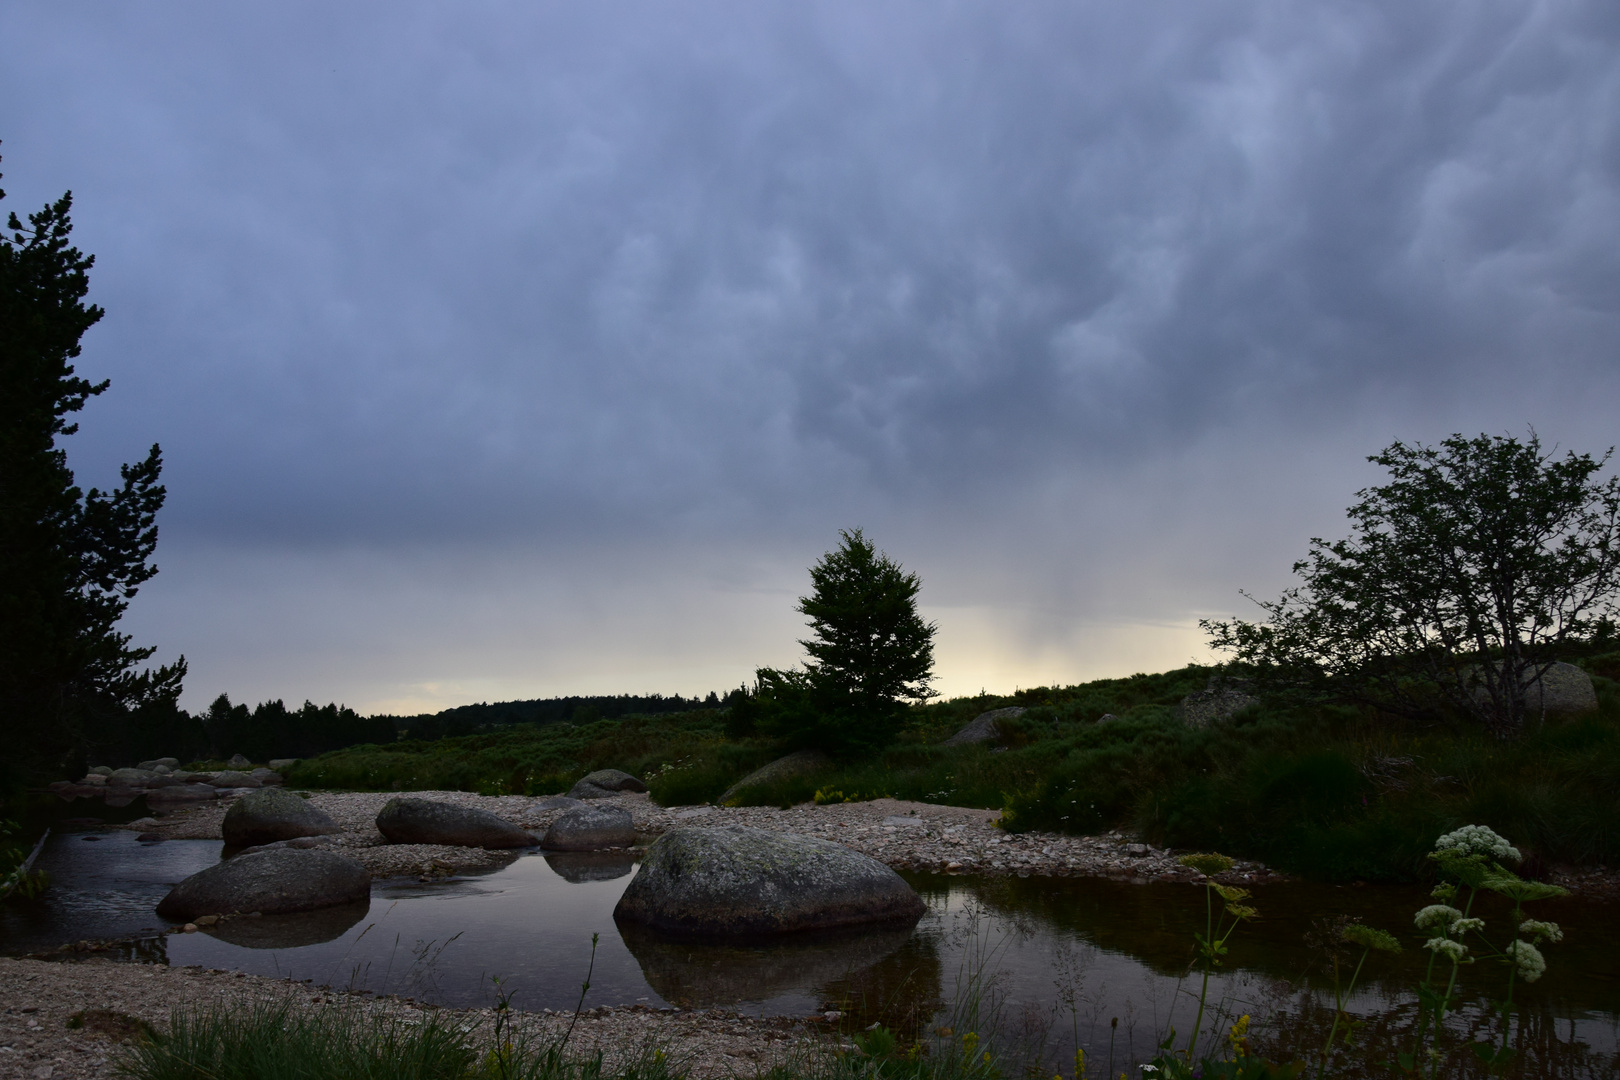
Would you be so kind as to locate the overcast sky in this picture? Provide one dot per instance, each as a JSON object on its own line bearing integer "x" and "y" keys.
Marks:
{"x": 504, "y": 350}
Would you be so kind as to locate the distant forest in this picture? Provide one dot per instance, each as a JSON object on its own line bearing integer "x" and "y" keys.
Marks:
{"x": 272, "y": 730}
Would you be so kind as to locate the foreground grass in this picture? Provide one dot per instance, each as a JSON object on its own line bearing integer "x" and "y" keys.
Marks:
{"x": 280, "y": 1041}
{"x": 283, "y": 1042}
{"x": 1332, "y": 793}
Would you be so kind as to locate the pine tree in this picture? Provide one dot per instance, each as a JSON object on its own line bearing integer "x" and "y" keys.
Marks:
{"x": 70, "y": 560}
{"x": 870, "y": 654}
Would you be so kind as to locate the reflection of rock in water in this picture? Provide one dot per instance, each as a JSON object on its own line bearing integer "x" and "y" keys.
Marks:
{"x": 704, "y": 973}
{"x": 583, "y": 866}
{"x": 290, "y": 931}
{"x": 904, "y": 991}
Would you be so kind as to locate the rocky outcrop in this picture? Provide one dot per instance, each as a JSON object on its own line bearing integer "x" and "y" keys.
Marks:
{"x": 590, "y": 828}
{"x": 270, "y": 882}
{"x": 799, "y": 763}
{"x": 272, "y": 814}
{"x": 230, "y": 778}
{"x": 604, "y": 784}
{"x": 735, "y": 881}
{"x": 1220, "y": 700}
{"x": 984, "y": 727}
{"x": 1563, "y": 690}
{"x": 423, "y": 821}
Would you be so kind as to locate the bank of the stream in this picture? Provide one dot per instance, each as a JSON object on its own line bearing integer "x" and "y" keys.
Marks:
{"x": 1331, "y": 793}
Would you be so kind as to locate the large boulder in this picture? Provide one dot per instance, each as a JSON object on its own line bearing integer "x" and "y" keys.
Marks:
{"x": 604, "y": 784}
{"x": 984, "y": 726}
{"x": 423, "y": 821}
{"x": 736, "y": 881}
{"x": 238, "y": 761}
{"x": 274, "y": 882}
{"x": 590, "y": 828}
{"x": 797, "y": 764}
{"x": 271, "y": 814}
{"x": 130, "y": 777}
{"x": 162, "y": 762}
{"x": 1562, "y": 690}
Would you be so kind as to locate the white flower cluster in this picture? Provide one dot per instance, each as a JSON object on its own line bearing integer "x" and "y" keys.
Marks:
{"x": 1451, "y": 950}
{"x": 1479, "y": 840}
{"x": 1537, "y": 930}
{"x": 1464, "y": 926}
{"x": 1437, "y": 917}
{"x": 1529, "y": 960}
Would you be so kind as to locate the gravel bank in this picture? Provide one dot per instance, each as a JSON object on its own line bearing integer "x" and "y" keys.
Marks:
{"x": 39, "y": 998}
{"x": 906, "y": 835}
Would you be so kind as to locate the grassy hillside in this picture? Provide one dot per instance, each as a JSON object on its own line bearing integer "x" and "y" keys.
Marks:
{"x": 1330, "y": 792}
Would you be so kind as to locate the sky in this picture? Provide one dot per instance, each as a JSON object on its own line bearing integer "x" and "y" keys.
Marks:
{"x": 505, "y": 350}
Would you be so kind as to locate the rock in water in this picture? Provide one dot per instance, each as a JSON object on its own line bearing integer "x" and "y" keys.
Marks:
{"x": 604, "y": 784}
{"x": 983, "y": 728}
{"x": 271, "y": 814}
{"x": 589, "y": 828}
{"x": 422, "y": 821}
{"x": 798, "y": 763}
{"x": 736, "y": 881}
{"x": 272, "y": 882}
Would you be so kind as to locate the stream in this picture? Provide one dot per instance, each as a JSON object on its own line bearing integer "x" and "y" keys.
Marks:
{"x": 1049, "y": 963}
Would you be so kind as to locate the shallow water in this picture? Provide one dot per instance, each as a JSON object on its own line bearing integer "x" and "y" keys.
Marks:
{"x": 1056, "y": 959}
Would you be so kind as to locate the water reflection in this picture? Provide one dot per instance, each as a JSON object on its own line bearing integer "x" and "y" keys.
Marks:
{"x": 579, "y": 867}
{"x": 706, "y": 974}
{"x": 290, "y": 931}
{"x": 1053, "y": 961}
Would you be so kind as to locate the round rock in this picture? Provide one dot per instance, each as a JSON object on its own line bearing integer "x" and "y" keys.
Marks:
{"x": 273, "y": 882}
{"x": 271, "y": 814}
{"x": 736, "y": 881}
{"x": 589, "y": 828}
{"x": 604, "y": 783}
{"x": 423, "y": 821}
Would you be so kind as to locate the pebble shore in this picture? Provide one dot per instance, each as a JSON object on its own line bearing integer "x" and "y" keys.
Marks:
{"x": 905, "y": 835}
{"x": 39, "y": 1000}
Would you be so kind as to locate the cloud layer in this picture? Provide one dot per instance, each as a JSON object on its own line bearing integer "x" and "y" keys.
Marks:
{"x": 1090, "y": 312}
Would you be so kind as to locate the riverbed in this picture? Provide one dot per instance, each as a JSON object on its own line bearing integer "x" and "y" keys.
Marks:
{"x": 1051, "y": 962}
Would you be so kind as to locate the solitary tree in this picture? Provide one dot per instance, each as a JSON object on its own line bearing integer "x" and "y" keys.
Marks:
{"x": 870, "y": 654}
{"x": 1464, "y": 577}
{"x": 69, "y": 560}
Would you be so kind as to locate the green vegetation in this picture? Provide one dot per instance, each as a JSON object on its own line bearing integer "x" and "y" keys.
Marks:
{"x": 1468, "y": 576}
{"x": 1333, "y": 792}
{"x": 870, "y": 654}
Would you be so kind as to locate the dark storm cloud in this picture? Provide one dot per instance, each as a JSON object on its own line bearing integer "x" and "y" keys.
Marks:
{"x": 389, "y": 271}
{"x": 501, "y": 350}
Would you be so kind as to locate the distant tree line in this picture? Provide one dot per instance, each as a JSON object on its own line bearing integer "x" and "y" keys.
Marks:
{"x": 472, "y": 719}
